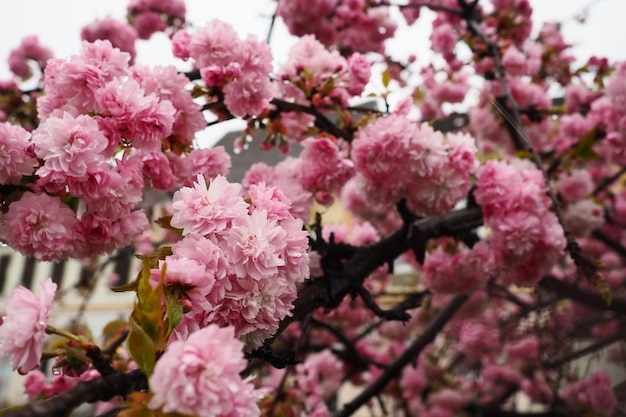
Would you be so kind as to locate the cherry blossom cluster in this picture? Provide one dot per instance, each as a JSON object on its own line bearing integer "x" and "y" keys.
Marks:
{"x": 107, "y": 131}
{"x": 200, "y": 376}
{"x": 526, "y": 237}
{"x": 313, "y": 74}
{"x": 238, "y": 69}
{"x": 401, "y": 159}
{"x": 355, "y": 25}
{"x": 151, "y": 16}
{"x": 238, "y": 263}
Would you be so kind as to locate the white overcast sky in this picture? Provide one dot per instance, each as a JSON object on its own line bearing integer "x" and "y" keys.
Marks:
{"x": 58, "y": 24}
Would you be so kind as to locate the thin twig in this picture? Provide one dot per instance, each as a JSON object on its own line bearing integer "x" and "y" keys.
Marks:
{"x": 408, "y": 356}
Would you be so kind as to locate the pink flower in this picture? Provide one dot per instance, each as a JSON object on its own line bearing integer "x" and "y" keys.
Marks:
{"x": 601, "y": 396}
{"x": 14, "y": 160}
{"x": 129, "y": 116}
{"x": 254, "y": 245}
{"x": 200, "y": 376}
{"x": 120, "y": 34}
{"x": 248, "y": 95}
{"x": 360, "y": 72}
{"x": 71, "y": 83}
{"x": 29, "y": 49}
{"x": 71, "y": 146}
{"x": 203, "y": 209}
{"x": 40, "y": 226}
{"x": 150, "y": 16}
{"x": 324, "y": 168}
{"x": 24, "y": 326}
{"x": 209, "y": 162}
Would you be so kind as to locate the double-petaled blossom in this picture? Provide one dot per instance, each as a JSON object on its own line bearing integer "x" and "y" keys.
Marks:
{"x": 121, "y": 35}
{"x": 69, "y": 146}
{"x": 239, "y": 67}
{"x": 238, "y": 263}
{"x": 206, "y": 209}
{"x": 23, "y": 327}
{"x": 200, "y": 376}
{"x": 525, "y": 235}
{"x": 29, "y": 49}
{"x": 72, "y": 83}
{"x": 15, "y": 160}
{"x": 400, "y": 159}
{"x": 41, "y": 226}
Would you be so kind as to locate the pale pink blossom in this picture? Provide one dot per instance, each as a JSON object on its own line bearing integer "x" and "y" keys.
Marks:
{"x": 170, "y": 85}
{"x": 206, "y": 209}
{"x": 324, "y": 168}
{"x": 575, "y": 185}
{"x": 200, "y": 376}
{"x": 157, "y": 168}
{"x": 359, "y": 69}
{"x": 209, "y": 162}
{"x": 24, "y": 325}
{"x": 254, "y": 245}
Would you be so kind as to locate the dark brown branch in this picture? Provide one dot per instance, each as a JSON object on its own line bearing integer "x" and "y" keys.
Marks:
{"x": 587, "y": 297}
{"x": 408, "y": 356}
{"x": 585, "y": 351}
{"x": 101, "y": 389}
{"x": 330, "y": 289}
{"x": 609, "y": 242}
{"x": 321, "y": 121}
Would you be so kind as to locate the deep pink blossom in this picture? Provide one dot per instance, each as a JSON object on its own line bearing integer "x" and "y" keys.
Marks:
{"x": 200, "y": 376}
{"x": 41, "y": 226}
{"x": 130, "y": 117}
{"x": 120, "y": 34}
{"x": 72, "y": 83}
{"x": 150, "y": 16}
{"x": 24, "y": 325}
{"x": 69, "y": 146}
{"x": 15, "y": 161}
{"x": 29, "y": 49}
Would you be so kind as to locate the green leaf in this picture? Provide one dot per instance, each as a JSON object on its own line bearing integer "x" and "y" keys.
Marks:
{"x": 141, "y": 347}
{"x": 174, "y": 311}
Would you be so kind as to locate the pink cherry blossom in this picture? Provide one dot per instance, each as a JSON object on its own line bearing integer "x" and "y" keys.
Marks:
{"x": 15, "y": 161}
{"x": 206, "y": 209}
{"x": 72, "y": 83}
{"x": 254, "y": 245}
{"x": 41, "y": 226}
{"x": 130, "y": 117}
{"x": 150, "y": 16}
{"x": 29, "y": 49}
{"x": 200, "y": 376}
{"x": 24, "y": 325}
{"x": 121, "y": 35}
{"x": 69, "y": 146}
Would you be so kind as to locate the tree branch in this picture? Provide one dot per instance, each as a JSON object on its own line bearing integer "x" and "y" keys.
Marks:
{"x": 408, "y": 356}
{"x": 101, "y": 389}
